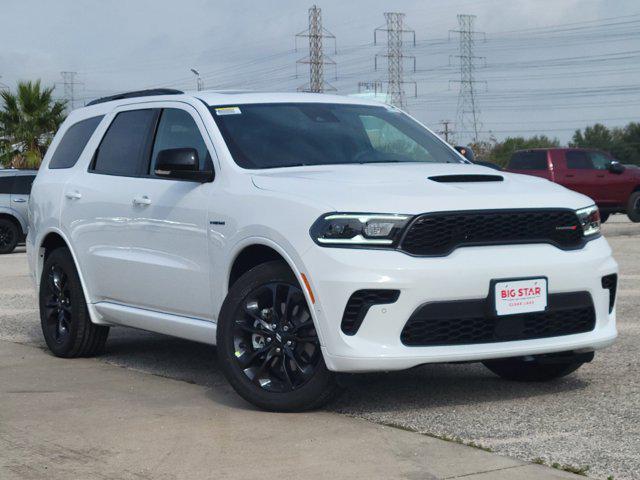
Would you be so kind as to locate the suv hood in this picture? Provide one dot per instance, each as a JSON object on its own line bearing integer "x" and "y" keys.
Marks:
{"x": 407, "y": 188}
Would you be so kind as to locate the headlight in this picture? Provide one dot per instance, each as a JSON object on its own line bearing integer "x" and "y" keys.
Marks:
{"x": 589, "y": 220}
{"x": 359, "y": 229}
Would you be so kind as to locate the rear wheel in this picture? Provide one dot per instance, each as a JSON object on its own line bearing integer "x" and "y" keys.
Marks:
{"x": 531, "y": 370}
{"x": 267, "y": 343}
{"x": 9, "y": 236}
{"x": 66, "y": 326}
{"x": 633, "y": 207}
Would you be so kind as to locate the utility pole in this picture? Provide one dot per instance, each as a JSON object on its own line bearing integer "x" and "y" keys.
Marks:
{"x": 69, "y": 82}
{"x": 446, "y": 131}
{"x": 395, "y": 30}
{"x": 316, "y": 59}
{"x": 468, "y": 114}
{"x": 198, "y": 79}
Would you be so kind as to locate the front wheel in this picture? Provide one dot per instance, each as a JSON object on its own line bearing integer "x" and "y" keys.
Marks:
{"x": 531, "y": 370}
{"x": 267, "y": 343}
{"x": 633, "y": 207}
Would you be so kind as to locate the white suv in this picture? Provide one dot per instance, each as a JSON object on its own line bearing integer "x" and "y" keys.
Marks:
{"x": 306, "y": 235}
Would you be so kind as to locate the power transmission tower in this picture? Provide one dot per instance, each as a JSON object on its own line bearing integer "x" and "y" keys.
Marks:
{"x": 446, "y": 131}
{"x": 69, "y": 82}
{"x": 316, "y": 59}
{"x": 370, "y": 87}
{"x": 395, "y": 30}
{"x": 468, "y": 115}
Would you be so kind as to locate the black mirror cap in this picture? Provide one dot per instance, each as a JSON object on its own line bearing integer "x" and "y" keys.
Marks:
{"x": 616, "y": 167}
{"x": 466, "y": 152}
{"x": 181, "y": 164}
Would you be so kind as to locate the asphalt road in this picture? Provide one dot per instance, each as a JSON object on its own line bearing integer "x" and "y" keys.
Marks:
{"x": 590, "y": 419}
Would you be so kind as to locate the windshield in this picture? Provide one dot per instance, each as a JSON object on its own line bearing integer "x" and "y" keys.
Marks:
{"x": 294, "y": 134}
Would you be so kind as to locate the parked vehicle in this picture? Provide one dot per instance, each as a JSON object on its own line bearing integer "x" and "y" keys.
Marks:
{"x": 614, "y": 187}
{"x": 468, "y": 153}
{"x": 15, "y": 186}
{"x": 306, "y": 235}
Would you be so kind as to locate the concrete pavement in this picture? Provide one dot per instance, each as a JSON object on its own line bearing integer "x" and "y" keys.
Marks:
{"x": 84, "y": 419}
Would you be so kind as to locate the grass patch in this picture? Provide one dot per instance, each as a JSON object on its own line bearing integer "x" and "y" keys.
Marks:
{"x": 444, "y": 437}
{"x": 571, "y": 468}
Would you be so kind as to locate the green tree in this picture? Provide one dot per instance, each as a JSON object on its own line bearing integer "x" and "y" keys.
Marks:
{"x": 596, "y": 136}
{"x": 28, "y": 120}
{"x": 502, "y": 151}
{"x": 622, "y": 143}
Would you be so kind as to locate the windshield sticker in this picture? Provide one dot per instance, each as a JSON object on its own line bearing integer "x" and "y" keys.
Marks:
{"x": 228, "y": 111}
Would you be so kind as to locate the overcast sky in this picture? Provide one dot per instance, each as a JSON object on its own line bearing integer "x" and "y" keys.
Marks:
{"x": 551, "y": 65}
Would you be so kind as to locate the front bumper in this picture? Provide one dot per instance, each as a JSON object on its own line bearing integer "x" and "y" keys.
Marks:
{"x": 466, "y": 273}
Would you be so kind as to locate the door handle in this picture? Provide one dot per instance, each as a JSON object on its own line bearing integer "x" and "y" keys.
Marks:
{"x": 142, "y": 200}
{"x": 570, "y": 175}
{"x": 19, "y": 200}
{"x": 600, "y": 176}
{"x": 75, "y": 195}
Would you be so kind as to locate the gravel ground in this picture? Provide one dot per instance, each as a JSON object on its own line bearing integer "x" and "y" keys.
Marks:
{"x": 590, "y": 419}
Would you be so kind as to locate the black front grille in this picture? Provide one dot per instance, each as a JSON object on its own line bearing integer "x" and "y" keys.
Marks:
{"x": 435, "y": 234}
{"x": 469, "y": 322}
{"x": 359, "y": 304}
{"x": 610, "y": 282}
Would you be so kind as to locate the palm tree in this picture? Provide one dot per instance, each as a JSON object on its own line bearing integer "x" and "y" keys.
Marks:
{"x": 28, "y": 121}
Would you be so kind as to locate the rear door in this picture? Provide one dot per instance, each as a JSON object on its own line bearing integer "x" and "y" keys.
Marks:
{"x": 20, "y": 191}
{"x": 531, "y": 162}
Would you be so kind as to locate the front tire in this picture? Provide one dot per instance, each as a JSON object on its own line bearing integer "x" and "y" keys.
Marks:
{"x": 9, "y": 236}
{"x": 66, "y": 326}
{"x": 633, "y": 207}
{"x": 520, "y": 370}
{"x": 267, "y": 344}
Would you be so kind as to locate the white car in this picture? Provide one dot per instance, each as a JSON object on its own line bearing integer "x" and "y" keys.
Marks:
{"x": 306, "y": 235}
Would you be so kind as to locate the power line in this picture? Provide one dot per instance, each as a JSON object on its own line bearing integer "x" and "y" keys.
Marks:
{"x": 395, "y": 30}
{"x": 468, "y": 111}
{"x": 316, "y": 59}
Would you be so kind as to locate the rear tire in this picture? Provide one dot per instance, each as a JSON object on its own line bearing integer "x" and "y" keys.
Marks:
{"x": 66, "y": 326}
{"x": 519, "y": 370}
{"x": 267, "y": 344}
{"x": 633, "y": 207}
{"x": 9, "y": 236}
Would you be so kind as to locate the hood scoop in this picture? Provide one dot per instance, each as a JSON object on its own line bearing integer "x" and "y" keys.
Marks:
{"x": 466, "y": 178}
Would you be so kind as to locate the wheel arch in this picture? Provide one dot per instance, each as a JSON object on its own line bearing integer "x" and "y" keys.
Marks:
{"x": 253, "y": 251}
{"x": 12, "y": 217}
{"x": 51, "y": 240}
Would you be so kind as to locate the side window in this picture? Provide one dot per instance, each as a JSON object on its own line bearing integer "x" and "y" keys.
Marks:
{"x": 6, "y": 184}
{"x": 387, "y": 139}
{"x": 600, "y": 160}
{"x": 532, "y": 160}
{"x": 73, "y": 142}
{"x": 124, "y": 150}
{"x": 177, "y": 129}
{"x": 578, "y": 160}
{"x": 22, "y": 184}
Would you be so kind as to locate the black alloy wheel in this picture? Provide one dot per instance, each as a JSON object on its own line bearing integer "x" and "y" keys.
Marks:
{"x": 275, "y": 341}
{"x": 9, "y": 236}
{"x": 267, "y": 342}
{"x": 58, "y": 306}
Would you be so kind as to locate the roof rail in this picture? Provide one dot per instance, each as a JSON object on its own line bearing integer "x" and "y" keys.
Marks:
{"x": 137, "y": 93}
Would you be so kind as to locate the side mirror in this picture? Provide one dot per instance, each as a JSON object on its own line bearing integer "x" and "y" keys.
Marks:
{"x": 616, "y": 167}
{"x": 181, "y": 164}
{"x": 466, "y": 152}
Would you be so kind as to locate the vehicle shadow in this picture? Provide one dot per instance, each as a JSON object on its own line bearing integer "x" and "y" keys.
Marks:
{"x": 424, "y": 387}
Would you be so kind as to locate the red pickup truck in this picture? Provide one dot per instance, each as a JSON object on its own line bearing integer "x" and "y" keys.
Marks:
{"x": 614, "y": 187}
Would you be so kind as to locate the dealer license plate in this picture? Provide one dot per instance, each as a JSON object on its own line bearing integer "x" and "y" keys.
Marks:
{"x": 520, "y": 296}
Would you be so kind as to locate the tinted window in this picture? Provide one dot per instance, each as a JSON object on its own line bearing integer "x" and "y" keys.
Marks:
{"x": 125, "y": 147}
{"x": 177, "y": 129}
{"x": 73, "y": 143}
{"x": 290, "y": 134}
{"x": 534, "y": 160}
{"x": 6, "y": 183}
{"x": 22, "y": 184}
{"x": 578, "y": 160}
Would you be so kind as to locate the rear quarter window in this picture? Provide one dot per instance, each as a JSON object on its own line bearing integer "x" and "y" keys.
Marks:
{"x": 73, "y": 142}
{"x": 536, "y": 160}
{"x": 22, "y": 184}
